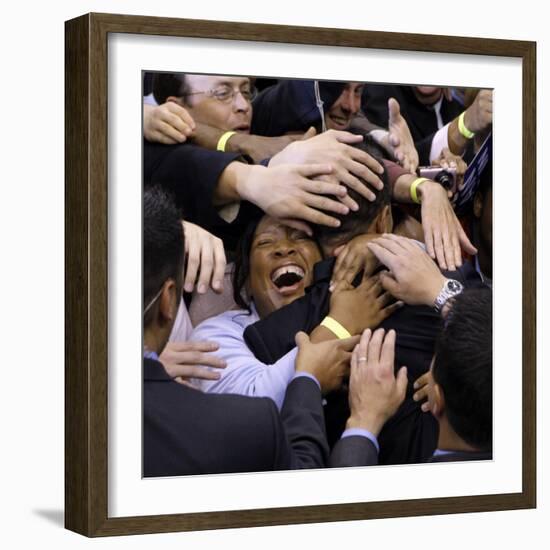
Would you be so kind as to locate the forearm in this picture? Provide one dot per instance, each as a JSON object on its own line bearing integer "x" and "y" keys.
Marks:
{"x": 234, "y": 183}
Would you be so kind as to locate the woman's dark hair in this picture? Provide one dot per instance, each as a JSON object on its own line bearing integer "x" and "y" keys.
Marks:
{"x": 241, "y": 271}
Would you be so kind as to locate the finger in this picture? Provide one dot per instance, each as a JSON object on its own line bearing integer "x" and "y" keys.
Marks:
{"x": 387, "y": 257}
{"x": 389, "y": 283}
{"x": 349, "y": 202}
{"x": 316, "y": 217}
{"x": 321, "y": 187}
{"x": 194, "y": 346}
{"x": 181, "y": 113}
{"x": 324, "y": 203}
{"x": 393, "y": 111}
{"x": 171, "y": 132}
{"x": 346, "y": 137}
{"x": 337, "y": 251}
{"x": 465, "y": 242}
{"x": 301, "y": 339}
{"x": 375, "y": 346}
{"x": 206, "y": 267}
{"x": 438, "y": 247}
{"x": 193, "y": 262}
{"x": 402, "y": 381}
{"x": 385, "y": 299}
{"x": 446, "y": 245}
{"x": 219, "y": 267}
{"x": 311, "y": 132}
{"x": 425, "y": 407}
{"x": 421, "y": 394}
{"x": 340, "y": 266}
{"x": 368, "y": 161}
{"x": 455, "y": 244}
{"x": 362, "y": 347}
{"x": 387, "y": 353}
{"x": 178, "y": 123}
{"x": 341, "y": 285}
{"x": 312, "y": 170}
{"x": 298, "y": 224}
{"x": 347, "y": 344}
{"x": 194, "y": 371}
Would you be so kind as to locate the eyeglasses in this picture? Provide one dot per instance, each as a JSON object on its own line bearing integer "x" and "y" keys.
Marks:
{"x": 226, "y": 94}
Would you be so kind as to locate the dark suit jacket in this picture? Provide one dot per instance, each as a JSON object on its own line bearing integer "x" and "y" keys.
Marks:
{"x": 458, "y": 456}
{"x": 188, "y": 432}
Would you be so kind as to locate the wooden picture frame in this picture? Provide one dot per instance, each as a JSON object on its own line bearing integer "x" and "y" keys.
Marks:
{"x": 86, "y": 279}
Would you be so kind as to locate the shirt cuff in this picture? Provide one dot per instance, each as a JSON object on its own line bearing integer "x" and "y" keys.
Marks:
{"x": 229, "y": 212}
{"x": 439, "y": 142}
{"x": 307, "y": 375}
{"x": 361, "y": 433}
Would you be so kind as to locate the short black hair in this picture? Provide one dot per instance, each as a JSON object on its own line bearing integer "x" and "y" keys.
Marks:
{"x": 357, "y": 222}
{"x": 168, "y": 84}
{"x": 163, "y": 244}
{"x": 463, "y": 367}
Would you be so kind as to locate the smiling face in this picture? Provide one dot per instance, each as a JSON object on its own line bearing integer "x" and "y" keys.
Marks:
{"x": 233, "y": 114}
{"x": 281, "y": 265}
{"x": 347, "y": 105}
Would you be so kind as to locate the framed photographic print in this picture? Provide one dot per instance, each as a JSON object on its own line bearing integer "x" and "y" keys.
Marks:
{"x": 112, "y": 62}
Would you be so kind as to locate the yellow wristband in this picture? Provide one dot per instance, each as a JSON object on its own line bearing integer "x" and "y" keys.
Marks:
{"x": 222, "y": 142}
{"x": 413, "y": 187}
{"x": 334, "y": 326}
{"x": 464, "y": 132}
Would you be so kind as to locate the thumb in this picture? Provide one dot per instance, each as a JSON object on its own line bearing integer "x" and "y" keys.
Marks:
{"x": 301, "y": 339}
{"x": 393, "y": 110}
{"x": 309, "y": 134}
{"x": 402, "y": 383}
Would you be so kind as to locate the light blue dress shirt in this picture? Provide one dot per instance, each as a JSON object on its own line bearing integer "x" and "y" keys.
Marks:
{"x": 244, "y": 374}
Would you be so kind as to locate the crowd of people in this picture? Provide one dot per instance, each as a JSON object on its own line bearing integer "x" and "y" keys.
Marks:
{"x": 312, "y": 296}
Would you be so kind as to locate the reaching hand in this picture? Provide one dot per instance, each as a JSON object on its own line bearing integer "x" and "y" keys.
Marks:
{"x": 168, "y": 123}
{"x": 185, "y": 360}
{"x": 400, "y": 138}
{"x": 328, "y": 361}
{"x": 205, "y": 252}
{"x": 375, "y": 393}
{"x": 414, "y": 278}
{"x": 443, "y": 234}
{"x": 479, "y": 115}
{"x": 288, "y": 192}
{"x": 348, "y": 163}
{"x": 423, "y": 386}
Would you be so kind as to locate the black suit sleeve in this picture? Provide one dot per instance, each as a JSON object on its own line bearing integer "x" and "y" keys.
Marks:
{"x": 304, "y": 424}
{"x": 353, "y": 451}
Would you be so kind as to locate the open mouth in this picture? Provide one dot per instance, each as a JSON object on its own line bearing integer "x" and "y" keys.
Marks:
{"x": 288, "y": 278}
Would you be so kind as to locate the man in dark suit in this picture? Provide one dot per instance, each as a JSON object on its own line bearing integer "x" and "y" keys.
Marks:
{"x": 188, "y": 432}
{"x": 459, "y": 385}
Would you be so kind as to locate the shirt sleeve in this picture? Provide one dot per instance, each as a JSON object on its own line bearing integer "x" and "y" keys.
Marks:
{"x": 362, "y": 433}
{"x": 244, "y": 374}
{"x": 440, "y": 141}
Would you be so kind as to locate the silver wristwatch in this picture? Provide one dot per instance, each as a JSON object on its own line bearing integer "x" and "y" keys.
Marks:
{"x": 450, "y": 289}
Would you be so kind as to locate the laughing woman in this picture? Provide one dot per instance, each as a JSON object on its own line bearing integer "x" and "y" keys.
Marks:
{"x": 274, "y": 267}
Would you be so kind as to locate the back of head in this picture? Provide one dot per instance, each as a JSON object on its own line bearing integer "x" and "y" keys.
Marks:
{"x": 163, "y": 245}
{"x": 463, "y": 367}
{"x": 357, "y": 222}
{"x": 168, "y": 84}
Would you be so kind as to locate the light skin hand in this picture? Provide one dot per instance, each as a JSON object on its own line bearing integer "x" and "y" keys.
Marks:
{"x": 443, "y": 234}
{"x": 168, "y": 123}
{"x": 400, "y": 138}
{"x": 413, "y": 276}
{"x": 327, "y": 361}
{"x": 185, "y": 360}
{"x": 375, "y": 393}
{"x": 349, "y": 163}
{"x": 289, "y": 192}
{"x": 365, "y": 306}
{"x": 205, "y": 259}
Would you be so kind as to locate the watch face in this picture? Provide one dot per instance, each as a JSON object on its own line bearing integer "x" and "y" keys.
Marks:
{"x": 453, "y": 286}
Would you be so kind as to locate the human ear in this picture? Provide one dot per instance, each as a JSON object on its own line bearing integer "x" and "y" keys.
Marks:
{"x": 438, "y": 405}
{"x": 169, "y": 302}
{"x": 174, "y": 99}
